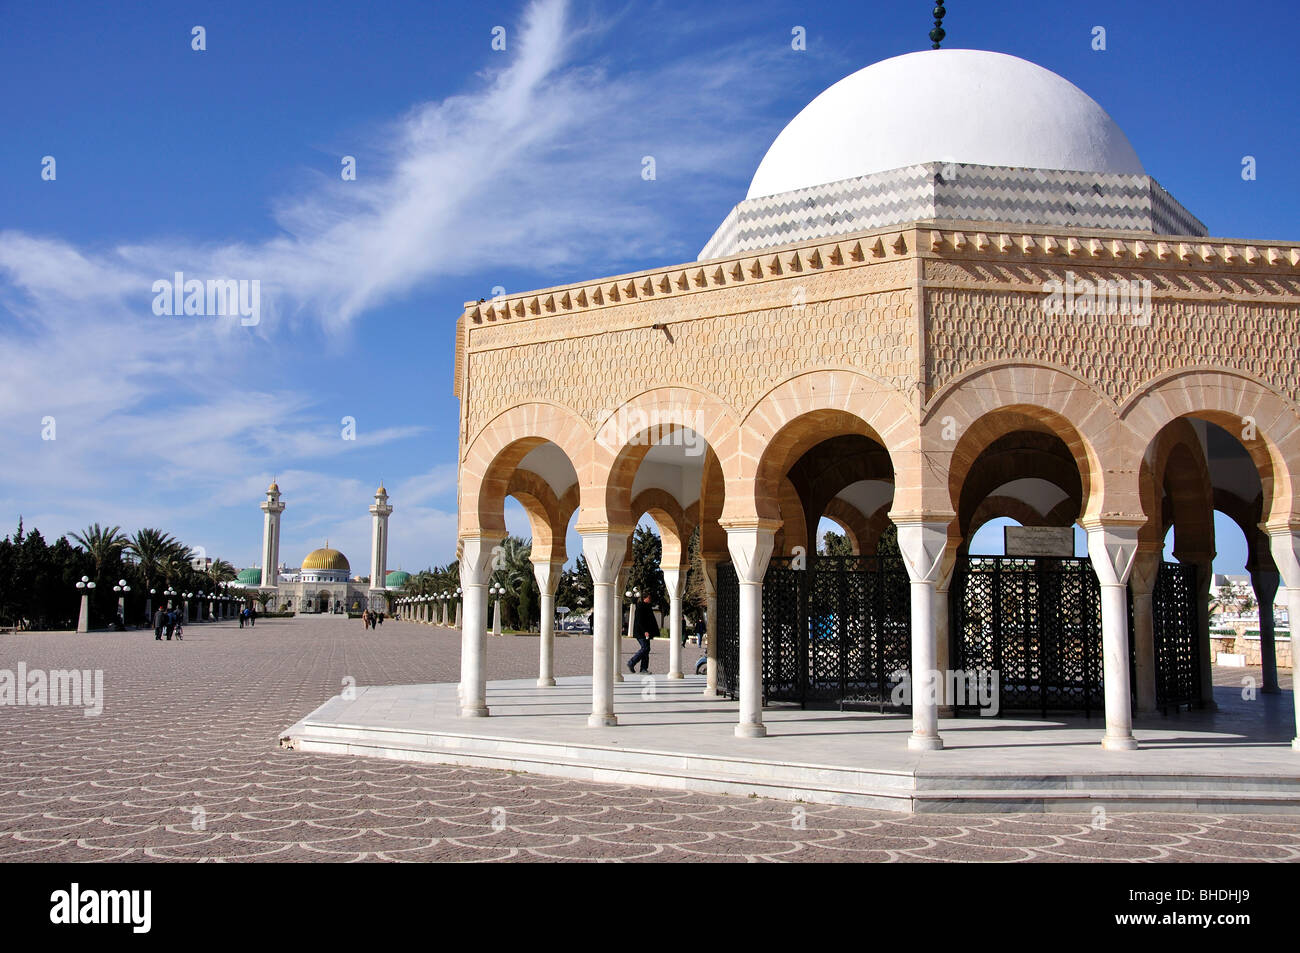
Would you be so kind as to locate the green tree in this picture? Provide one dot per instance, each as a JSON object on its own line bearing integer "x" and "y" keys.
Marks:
{"x": 836, "y": 544}
{"x": 104, "y": 545}
{"x": 152, "y": 549}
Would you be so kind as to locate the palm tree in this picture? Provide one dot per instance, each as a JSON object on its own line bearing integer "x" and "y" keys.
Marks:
{"x": 102, "y": 544}
{"x": 153, "y": 549}
{"x": 221, "y": 571}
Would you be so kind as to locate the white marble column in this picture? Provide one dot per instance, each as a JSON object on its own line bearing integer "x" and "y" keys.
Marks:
{"x": 475, "y": 571}
{"x": 604, "y": 551}
{"x": 1265, "y": 582}
{"x": 618, "y": 630}
{"x": 922, "y": 544}
{"x": 674, "y": 580}
{"x": 1142, "y": 583}
{"x": 1112, "y": 548}
{"x": 751, "y": 548}
{"x": 1285, "y": 546}
{"x": 942, "y": 622}
{"x": 548, "y": 579}
{"x": 710, "y": 627}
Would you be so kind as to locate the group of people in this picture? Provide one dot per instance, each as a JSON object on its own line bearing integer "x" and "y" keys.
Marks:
{"x": 371, "y": 619}
{"x": 168, "y": 622}
{"x": 248, "y": 614}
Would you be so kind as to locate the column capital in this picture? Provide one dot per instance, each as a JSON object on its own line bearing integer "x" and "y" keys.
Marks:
{"x": 1265, "y": 583}
{"x": 476, "y": 558}
{"x": 922, "y": 542}
{"x": 751, "y": 547}
{"x": 1113, "y": 547}
{"x": 548, "y": 573}
{"x": 1146, "y": 565}
{"x": 604, "y": 549}
{"x": 1284, "y": 544}
{"x": 674, "y": 580}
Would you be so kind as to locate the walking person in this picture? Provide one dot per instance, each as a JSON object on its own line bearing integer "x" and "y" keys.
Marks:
{"x": 159, "y": 618}
{"x": 169, "y": 623}
{"x": 243, "y": 614}
{"x": 644, "y": 628}
{"x": 252, "y": 615}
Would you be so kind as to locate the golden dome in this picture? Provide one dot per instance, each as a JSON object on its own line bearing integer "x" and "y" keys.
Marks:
{"x": 326, "y": 559}
{"x": 273, "y": 488}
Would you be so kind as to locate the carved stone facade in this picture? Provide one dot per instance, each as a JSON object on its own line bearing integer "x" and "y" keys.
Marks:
{"x": 935, "y": 376}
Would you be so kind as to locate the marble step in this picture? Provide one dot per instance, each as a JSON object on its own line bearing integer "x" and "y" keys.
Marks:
{"x": 885, "y": 790}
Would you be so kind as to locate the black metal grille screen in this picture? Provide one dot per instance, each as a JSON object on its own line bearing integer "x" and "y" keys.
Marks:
{"x": 1177, "y": 648}
{"x": 836, "y": 632}
{"x": 726, "y": 629}
{"x": 839, "y": 631}
{"x": 1037, "y": 623}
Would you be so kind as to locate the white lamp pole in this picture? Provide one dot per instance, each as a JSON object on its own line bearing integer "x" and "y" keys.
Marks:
{"x": 498, "y": 592}
{"x": 86, "y": 587}
{"x": 122, "y": 589}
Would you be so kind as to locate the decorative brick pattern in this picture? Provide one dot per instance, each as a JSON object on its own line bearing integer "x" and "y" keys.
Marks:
{"x": 738, "y": 357}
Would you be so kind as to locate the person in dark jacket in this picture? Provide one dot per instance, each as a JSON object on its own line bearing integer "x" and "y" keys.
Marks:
{"x": 159, "y": 620}
{"x": 644, "y": 628}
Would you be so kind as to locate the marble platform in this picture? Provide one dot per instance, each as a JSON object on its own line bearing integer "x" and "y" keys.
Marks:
{"x": 1236, "y": 759}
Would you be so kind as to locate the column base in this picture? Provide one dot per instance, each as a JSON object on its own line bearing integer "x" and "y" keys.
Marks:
{"x": 546, "y": 683}
{"x": 618, "y": 677}
{"x": 676, "y": 675}
{"x": 924, "y": 743}
{"x": 474, "y": 712}
{"x": 602, "y": 721}
{"x": 1128, "y": 743}
{"x": 751, "y": 731}
{"x": 708, "y": 694}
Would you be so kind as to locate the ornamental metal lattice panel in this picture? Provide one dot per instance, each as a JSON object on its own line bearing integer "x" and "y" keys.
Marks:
{"x": 1177, "y": 648}
{"x": 836, "y": 630}
{"x": 726, "y": 629}
{"x": 1037, "y": 623}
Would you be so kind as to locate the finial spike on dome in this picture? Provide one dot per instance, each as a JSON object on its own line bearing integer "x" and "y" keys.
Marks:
{"x": 937, "y": 34}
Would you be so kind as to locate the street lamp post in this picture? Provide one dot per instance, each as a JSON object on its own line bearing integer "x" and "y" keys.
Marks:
{"x": 86, "y": 587}
{"x": 498, "y": 592}
{"x": 148, "y": 607}
{"x": 633, "y": 595}
{"x": 459, "y": 593}
{"x": 121, "y": 589}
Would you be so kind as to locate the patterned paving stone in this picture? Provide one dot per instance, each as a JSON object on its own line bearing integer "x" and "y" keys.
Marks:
{"x": 183, "y": 765}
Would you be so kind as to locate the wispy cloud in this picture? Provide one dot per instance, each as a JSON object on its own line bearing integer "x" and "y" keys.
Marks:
{"x": 535, "y": 166}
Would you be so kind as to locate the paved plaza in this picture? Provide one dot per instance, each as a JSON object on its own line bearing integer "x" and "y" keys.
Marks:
{"x": 183, "y": 764}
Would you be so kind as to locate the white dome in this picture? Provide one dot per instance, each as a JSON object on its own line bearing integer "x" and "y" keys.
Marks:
{"x": 963, "y": 106}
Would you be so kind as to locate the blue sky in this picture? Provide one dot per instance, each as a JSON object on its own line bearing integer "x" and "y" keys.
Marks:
{"x": 475, "y": 169}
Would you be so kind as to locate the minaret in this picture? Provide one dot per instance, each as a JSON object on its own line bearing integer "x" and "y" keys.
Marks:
{"x": 271, "y": 537}
{"x": 379, "y": 512}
